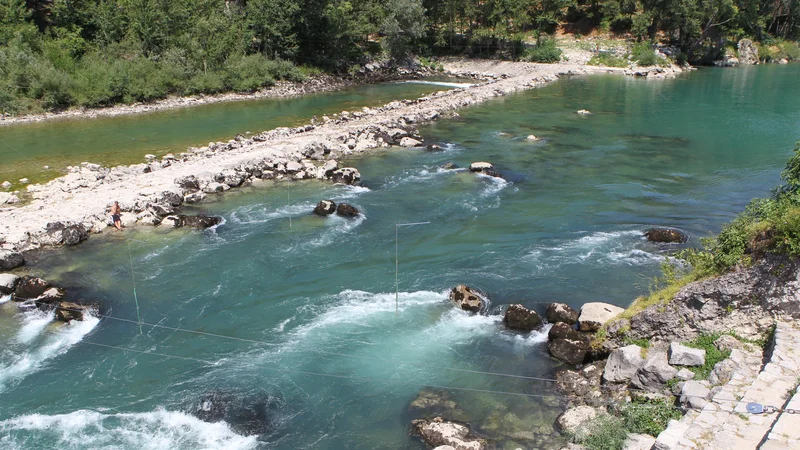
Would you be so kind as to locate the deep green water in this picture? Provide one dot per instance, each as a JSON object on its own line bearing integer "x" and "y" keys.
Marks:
{"x": 26, "y": 149}
{"x": 325, "y": 349}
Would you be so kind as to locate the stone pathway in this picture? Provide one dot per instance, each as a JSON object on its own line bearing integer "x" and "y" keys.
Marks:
{"x": 724, "y": 422}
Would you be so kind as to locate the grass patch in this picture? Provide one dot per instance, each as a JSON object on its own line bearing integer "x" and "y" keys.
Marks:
{"x": 607, "y": 60}
{"x": 713, "y": 354}
{"x": 644, "y": 343}
{"x": 605, "y": 433}
{"x": 648, "y": 417}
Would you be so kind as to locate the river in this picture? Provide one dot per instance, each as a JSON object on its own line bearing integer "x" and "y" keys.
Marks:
{"x": 294, "y": 318}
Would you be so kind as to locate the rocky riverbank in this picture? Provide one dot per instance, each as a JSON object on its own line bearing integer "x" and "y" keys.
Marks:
{"x": 79, "y": 201}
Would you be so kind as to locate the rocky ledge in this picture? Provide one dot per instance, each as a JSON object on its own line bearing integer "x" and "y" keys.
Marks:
{"x": 29, "y": 292}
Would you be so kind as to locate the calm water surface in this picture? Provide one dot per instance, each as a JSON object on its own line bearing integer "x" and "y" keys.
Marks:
{"x": 322, "y": 352}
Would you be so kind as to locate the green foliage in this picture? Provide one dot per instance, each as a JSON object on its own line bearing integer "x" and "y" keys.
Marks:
{"x": 546, "y": 51}
{"x": 604, "y": 433}
{"x": 644, "y": 55}
{"x": 713, "y": 354}
{"x": 607, "y": 60}
{"x": 648, "y": 417}
{"x": 644, "y": 343}
{"x": 404, "y": 25}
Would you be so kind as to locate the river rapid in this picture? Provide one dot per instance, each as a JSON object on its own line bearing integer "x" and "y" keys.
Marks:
{"x": 295, "y": 323}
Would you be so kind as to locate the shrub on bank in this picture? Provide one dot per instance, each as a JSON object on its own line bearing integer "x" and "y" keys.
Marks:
{"x": 546, "y": 51}
{"x": 644, "y": 55}
{"x": 607, "y": 60}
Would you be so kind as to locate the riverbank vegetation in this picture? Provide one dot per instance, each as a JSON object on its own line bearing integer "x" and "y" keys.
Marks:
{"x": 60, "y": 53}
{"x": 766, "y": 226}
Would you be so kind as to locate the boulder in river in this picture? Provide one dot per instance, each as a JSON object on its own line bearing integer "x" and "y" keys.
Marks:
{"x": 8, "y": 282}
{"x": 568, "y": 344}
{"x": 466, "y": 298}
{"x": 346, "y": 175}
{"x": 449, "y": 166}
{"x": 561, "y": 312}
{"x": 199, "y": 221}
{"x": 246, "y": 414}
{"x": 484, "y": 168}
{"x": 666, "y": 236}
{"x": 10, "y": 259}
{"x": 69, "y": 311}
{"x": 51, "y": 296}
{"x": 325, "y": 208}
{"x": 595, "y": 314}
{"x": 346, "y": 210}
{"x": 440, "y": 432}
{"x": 435, "y": 148}
{"x": 518, "y": 317}
{"x": 29, "y": 288}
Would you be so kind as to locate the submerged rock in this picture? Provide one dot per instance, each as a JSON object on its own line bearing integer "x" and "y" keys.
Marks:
{"x": 666, "y": 236}
{"x": 69, "y": 311}
{"x": 518, "y": 317}
{"x": 561, "y": 312}
{"x": 484, "y": 168}
{"x": 199, "y": 221}
{"x": 467, "y": 299}
{"x": 29, "y": 288}
{"x": 325, "y": 208}
{"x": 346, "y": 175}
{"x": 438, "y": 432}
{"x": 346, "y": 210}
{"x": 246, "y": 414}
{"x": 10, "y": 259}
{"x": 449, "y": 166}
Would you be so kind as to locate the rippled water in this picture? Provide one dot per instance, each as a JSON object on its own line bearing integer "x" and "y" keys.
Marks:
{"x": 323, "y": 349}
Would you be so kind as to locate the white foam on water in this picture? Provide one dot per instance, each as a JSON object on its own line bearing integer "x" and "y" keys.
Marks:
{"x": 350, "y": 191}
{"x": 525, "y": 340}
{"x": 213, "y": 229}
{"x": 5, "y": 298}
{"x": 598, "y": 248}
{"x": 33, "y": 323}
{"x": 258, "y": 213}
{"x": 282, "y": 326}
{"x": 54, "y": 344}
{"x": 494, "y": 186}
{"x": 159, "y": 429}
{"x": 338, "y": 226}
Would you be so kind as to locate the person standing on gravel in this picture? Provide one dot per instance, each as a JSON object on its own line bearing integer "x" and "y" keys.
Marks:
{"x": 116, "y": 213}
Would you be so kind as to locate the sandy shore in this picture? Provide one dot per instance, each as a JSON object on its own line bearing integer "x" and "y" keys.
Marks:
{"x": 82, "y": 196}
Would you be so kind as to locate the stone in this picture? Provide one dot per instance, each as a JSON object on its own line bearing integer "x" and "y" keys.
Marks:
{"x": 10, "y": 259}
{"x": 666, "y": 236}
{"x": 199, "y": 221}
{"x": 532, "y": 138}
{"x": 329, "y": 167}
{"x": 618, "y": 327}
{"x": 571, "y": 421}
{"x": 449, "y": 166}
{"x": 684, "y": 374}
{"x": 561, "y": 312}
{"x": 570, "y": 351}
{"x": 583, "y": 112}
{"x": 723, "y": 371}
{"x": 188, "y": 184}
{"x": 293, "y": 167}
{"x": 622, "y": 364}
{"x": 8, "y": 282}
{"x": 432, "y": 400}
{"x": 437, "y": 432}
{"x": 6, "y": 185}
{"x": 29, "y": 288}
{"x": 214, "y": 187}
{"x": 561, "y": 330}
{"x": 69, "y": 311}
{"x": 484, "y": 168}
{"x": 466, "y": 298}
{"x": 694, "y": 394}
{"x": 681, "y": 355}
{"x": 435, "y": 148}
{"x": 409, "y": 142}
{"x": 747, "y": 51}
{"x": 24, "y": 180}
{"x": 346, "y": 210}
{"x": 518, "y": 317}
{"x": 655, "y": 372}
{"x": 149, "y": 157}
{"x": 51, "y": 295}
{"x": 346, "y": 175}
{"x": 58, "y": 233}
{"x": 594, "y": 315}
{"x": 194, "y": 197}
{"x": 636, "y": 441}
{"x": 325, "y": 208}
{"x": 728, "y": 342}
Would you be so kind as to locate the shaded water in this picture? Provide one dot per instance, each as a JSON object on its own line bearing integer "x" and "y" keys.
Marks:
{"x": 320, "y": 348}
{"x": 25, "y": 149}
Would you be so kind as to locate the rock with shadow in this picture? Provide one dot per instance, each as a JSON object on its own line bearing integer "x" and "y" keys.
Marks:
{"x": 666, "y": 236}
{"x": 467, "y": 298}
{"x": 325, "y": 208}
{"x": 520, "y": 318}
{"x": 200, "y": 221}
{"x": 247, "y": 414}
{"x": 347, "y": 210}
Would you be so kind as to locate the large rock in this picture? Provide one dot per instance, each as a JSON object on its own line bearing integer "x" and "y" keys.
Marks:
{"x": 561, "y": 312}
{"x": 10, "y": 259}
{"x": 188, "y": 184}
{"x": 51, "y": 295}
{"x": 622, "y": 364}
{"x": 7, "y": 283}
{"x": 29, "y": 288}
{"x": 655, "y": 372}
{"x": 666, "y": 236}
{"x": 325, "y": 208}
{"x": 199, "y": 221}
{"x": 573, "y": 420}
{"x": 346, "y": 175}
{"x": 69, "y": 311}
{"x": 518, "y": 317}
{"x": 437, "y": 431}
{"x": 638, "y": 442}
{"x": 694, "y": 394}
{"x": 681, "y": 355}
{"x": 346, "y": 210}
{"x": 570, "y": 351}
{"x": 410, "y": 142}
{"x": 561, "y": 330}
{"x": 484, "y": 168}
{"x": 466, "y": 298}
{"x": 595, "y": 315}
{"x": 60, "y": 233}
{"x": 748, "y": 52}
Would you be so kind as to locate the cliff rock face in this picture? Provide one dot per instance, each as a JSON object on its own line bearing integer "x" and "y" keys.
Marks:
{"x": 748, "y": 52}
{"x": 746, "y": 300}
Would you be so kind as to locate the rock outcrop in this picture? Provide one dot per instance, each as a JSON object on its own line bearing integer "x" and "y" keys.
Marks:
{"x": 438, "y": 431}
{"x": 10, "y": 260}
{"x": 29, "y": 288}
{"x": 467, "y": 299}
{"x": 595, "y": 314}
{"x": 561, "y": 312}
{"x": 518, "y": 317}
{"x": 325, "y": 208}
{"x": 748, "y": 52}
{"x": 666, "y": 236}
{"x": 199, "y": 221}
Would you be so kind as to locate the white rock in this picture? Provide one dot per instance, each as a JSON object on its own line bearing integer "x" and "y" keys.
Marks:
{"x": 480, "y": 166}
{"x": 6, "y": 185}
{"x": 532, "y": 138}
{"x": 576, "y": 418}
{"x": 694, "y": 394}
{"x": 214, "y": 187}
{"x": 594, "y": 315}
{"x": 623, "y": 363}
{"x": 13, "y": 200}
{"x": 7, "y": 282}
{"x": 24, "y": 180}
{"x": 410, "y": 142}
{"x": 4, "y": 197}
{"x": 194, "y": 197}
{"x": 293, "y": 167}
{"x": 149, "y": 157}
{"x": 684, "y": 374}
{"x": 638, "y": 442}
{"x": 681, "y": 355}
{"x": 584, "y": 112}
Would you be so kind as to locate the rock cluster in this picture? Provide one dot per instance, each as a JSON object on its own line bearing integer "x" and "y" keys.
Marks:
{"x": 34, "y": 292}
{"x": 440, "y": 432}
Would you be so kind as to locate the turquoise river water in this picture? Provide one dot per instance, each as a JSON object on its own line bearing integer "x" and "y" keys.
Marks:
{"x": 295, "y": 323}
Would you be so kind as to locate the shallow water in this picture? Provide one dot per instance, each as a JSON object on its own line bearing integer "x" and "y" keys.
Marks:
{"x": 26, "y": 148}
{"x": 315, "y": 333}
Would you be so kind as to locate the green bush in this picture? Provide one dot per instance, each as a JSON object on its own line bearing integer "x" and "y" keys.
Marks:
{"x": 605, "y": 433}
{"x": 713, "y": 354}
{"x": 205, "y": 83}
{"x": 248, "y": 73}
{"x": 607, "y": 60}
{"x": 644, "y": 55}
{"x": 648, "y": 417}
{"x": 546, "y": 51}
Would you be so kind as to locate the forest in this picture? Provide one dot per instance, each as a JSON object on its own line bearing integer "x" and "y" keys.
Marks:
{"x": 60, "y": 53}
